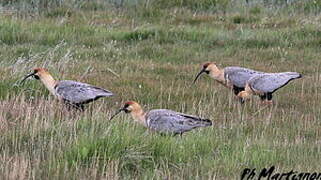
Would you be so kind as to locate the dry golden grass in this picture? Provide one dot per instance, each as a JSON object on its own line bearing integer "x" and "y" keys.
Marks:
{"x": 154, "y": 60}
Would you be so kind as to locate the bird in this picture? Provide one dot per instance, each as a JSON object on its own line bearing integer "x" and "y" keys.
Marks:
{"x": 232, "y": 77}
{"x": 264, "y": 85}
{"x": 72, "y": 93}
{"x": 163, "y": 120}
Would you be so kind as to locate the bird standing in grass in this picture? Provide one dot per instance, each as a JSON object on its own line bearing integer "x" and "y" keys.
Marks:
{"x": 163, "y": 120}
{"x": 72, "y": 93}
{"x": 232, "y": 77}
{"x": 264, "y": 85}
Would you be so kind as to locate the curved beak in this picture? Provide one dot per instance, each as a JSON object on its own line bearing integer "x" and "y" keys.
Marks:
{"x": 120, "y": 110}
{"x": 241, "y": 100}
{"x": 199, "y": 74}
{"x": 26, "y": 77}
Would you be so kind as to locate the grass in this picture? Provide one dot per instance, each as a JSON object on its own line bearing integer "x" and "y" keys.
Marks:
{"x": 155, "y": 54}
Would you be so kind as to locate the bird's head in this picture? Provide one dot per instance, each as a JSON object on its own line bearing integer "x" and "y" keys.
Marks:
{"x": 129, "y": 107}
{"x": 37, "y": 73}
{"x": 206, "y": 68}
{"x": 243, "y": 96}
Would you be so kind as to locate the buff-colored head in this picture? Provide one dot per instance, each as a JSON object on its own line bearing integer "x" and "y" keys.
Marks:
{"x": 43, "y": 75}
{"x": 208, "y": 68}
{"x": 37, "y": 73}
{"x": 40, "y": 72}
{"x": 130, "y": 107}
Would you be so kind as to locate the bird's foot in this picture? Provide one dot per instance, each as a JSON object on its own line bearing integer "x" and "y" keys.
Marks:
{"x": 267, "y": 102}
{"x": 238, "y": 99}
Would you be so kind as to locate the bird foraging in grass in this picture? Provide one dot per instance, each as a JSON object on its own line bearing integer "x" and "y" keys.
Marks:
{"x": 232, "y": 77}
{"x": 264, "y": 85}
{"x": 163, "y": 120}
{"x": 70, "y": 92}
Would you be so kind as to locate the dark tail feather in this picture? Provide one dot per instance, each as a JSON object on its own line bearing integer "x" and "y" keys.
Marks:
{"x": 300, "y": 76}
{"x": 203, "y": 122}
{"x": 207, "y": 122}
{"x": 294, "y": 75}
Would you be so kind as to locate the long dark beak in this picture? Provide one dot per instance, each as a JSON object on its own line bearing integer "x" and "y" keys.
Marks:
{"x": 241, "y": 100}
{"x": 198, "y": 75}
{"x": 120, "y": 110}
{"x": 31, "y": 74}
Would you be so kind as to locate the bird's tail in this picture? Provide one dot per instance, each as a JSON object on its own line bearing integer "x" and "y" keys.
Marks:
{"x": 206, "y": 122}
{"x": 107, "y": 93}
{"x": 199, "y": 121}
{"x": 293, "y": 75}
{"x": 104, "y": 93}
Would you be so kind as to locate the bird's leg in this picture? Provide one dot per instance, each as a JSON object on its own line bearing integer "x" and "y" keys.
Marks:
{"x": 180, "y": 134}
{"x": 269, "y": 96}
{"x": 71, "y": 106}
{"x": 269, "y": 99}
{"x": 269, "y": 102}
{"x": 236, "y": 90}
{"x": 263, "y": 98}
{"x": 68, "y": 105}
{"x": 81, "y": 107}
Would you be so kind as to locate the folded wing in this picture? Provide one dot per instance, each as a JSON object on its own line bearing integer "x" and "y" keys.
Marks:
{"x": 269, "y": 83}
{"x": 168, "y": 121}
{"x": 238, "y": 76}
{"x": 80, "y": 93}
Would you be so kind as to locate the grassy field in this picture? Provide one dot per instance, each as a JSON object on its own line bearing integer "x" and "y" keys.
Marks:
{"x": 150, "y": 52}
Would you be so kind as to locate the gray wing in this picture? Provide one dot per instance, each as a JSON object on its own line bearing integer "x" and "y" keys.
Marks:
{"x": 80, "y": 93}
{"x": 238, "y": 76}
{"x": 272, "y": 81}
{"x": 168, "y": 121}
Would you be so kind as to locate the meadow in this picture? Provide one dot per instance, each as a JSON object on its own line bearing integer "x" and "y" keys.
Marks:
{"x": 150, "y": 52}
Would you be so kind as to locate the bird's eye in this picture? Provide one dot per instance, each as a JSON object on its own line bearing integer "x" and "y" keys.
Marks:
{"x": 126, "y": 106}
{"x": 126, "y": 110}
{"x": 36, "y": 77}
{"x": 207, "y": 72}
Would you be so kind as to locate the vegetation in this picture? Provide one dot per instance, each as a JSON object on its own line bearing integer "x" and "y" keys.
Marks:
{"x": 150, "y": 51}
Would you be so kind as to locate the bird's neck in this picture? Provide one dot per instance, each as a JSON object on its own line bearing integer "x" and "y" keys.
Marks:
{"x": 217, "y": 74}
{"x": 49, "y": 82}
{"x": 248, "y": 90}
{"x": 139, "y": 116}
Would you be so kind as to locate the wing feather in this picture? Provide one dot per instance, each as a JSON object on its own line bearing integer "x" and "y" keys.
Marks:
{"x": 269, "y": 83}
{"x": 238, "y": 76}
{"x": 168, "y": 121}
{"x": 80, "y": 93}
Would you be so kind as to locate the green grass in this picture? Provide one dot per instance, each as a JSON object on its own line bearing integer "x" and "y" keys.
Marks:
{"x": 155, "y": 53}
